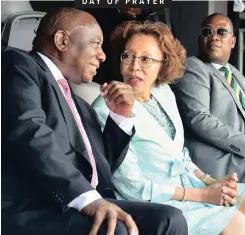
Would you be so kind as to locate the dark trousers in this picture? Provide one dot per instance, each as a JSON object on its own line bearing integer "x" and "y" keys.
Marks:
{"x": 151, "y": 219}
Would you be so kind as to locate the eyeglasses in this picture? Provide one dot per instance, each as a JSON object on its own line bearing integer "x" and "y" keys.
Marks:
{"x": 220, "y": 32}
{"x": 144, "y": 61}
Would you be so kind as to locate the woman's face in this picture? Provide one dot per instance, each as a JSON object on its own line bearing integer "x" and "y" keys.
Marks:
{"x": 141, "y": 73}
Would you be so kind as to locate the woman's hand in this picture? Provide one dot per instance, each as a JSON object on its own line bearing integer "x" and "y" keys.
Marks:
{"x": 230, "y": 178}
{"x": 220, "y": 194}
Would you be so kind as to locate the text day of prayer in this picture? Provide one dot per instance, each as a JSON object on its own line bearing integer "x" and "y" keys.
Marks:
{"x": 134, "y": 2}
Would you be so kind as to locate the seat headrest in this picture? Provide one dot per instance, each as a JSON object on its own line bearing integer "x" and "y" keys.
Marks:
{"x": 11, "y": 7}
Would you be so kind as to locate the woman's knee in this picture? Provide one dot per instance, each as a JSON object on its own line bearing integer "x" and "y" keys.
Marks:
{"x": 242, "y": 206}
{"x": 236, "y": 225}
{"x": 240, "y": 222}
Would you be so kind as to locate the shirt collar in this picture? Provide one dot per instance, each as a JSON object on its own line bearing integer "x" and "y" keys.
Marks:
{"x": 52, "y": 67}
{"x": 218, "y": 66}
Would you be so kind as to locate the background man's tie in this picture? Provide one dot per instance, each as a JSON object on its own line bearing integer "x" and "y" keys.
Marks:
{"x": 233, "y": 83}
{"x": 64, "y": 84}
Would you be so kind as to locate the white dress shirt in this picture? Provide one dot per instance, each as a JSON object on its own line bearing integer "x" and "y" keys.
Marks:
{"x": 126, "y": 124}
{"x": 218, "y": 66}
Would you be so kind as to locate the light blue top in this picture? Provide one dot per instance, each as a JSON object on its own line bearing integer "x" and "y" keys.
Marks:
{"x": 157, "y": 162}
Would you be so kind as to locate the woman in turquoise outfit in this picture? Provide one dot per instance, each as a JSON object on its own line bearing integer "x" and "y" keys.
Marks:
{"x": 157, "y": 167}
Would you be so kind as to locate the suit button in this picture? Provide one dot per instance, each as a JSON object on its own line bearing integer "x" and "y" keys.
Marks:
{"x": 231, "y": 146}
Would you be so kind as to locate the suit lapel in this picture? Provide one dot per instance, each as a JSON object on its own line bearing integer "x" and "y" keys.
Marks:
{"x": 165, "y": 99}
{"x": 161, "y": 95}
{"x": 92, "y": 134}
{"x": 73, "y": 131}
{"x": 229, "y": 88}
{"x": 156, "y": 132}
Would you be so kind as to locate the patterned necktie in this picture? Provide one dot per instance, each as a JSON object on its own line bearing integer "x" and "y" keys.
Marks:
{"x": 64, "y": 84}
{"x": 233, "y": 83}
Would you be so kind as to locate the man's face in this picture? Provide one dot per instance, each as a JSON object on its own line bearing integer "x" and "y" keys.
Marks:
{"x": 84, "y": 53}
{"x": 217, "y": 48}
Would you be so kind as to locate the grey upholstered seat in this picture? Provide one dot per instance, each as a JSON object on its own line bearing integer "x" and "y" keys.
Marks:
{"x": 19, "y": 23}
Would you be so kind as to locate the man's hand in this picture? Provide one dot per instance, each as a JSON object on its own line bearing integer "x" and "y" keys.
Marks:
{"x": 119, "y": 97}
{"x": 101, "y": 210}
{"x": 130, "y": 12}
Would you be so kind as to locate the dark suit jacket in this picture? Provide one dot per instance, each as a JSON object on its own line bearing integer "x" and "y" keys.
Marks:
{"x": 44, "y": 160}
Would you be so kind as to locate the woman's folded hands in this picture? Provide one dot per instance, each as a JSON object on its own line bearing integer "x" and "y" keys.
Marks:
{"x": 222, "y": 192}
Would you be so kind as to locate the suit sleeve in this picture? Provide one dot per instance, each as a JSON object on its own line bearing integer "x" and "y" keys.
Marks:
{"x": 33, "y": 144}
{"x": 193, "y": 95}
{"x": 116, "y": 140}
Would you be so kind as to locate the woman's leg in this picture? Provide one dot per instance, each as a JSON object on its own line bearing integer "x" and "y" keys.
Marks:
{"x": 236, "y": 225}
{"x": 242, "y": 206}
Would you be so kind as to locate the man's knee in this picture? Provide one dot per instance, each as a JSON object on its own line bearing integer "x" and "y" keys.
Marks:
{"x": 172, "y": 219}
{"x": 175, "y": 215}
{"x": 121, "y": 228}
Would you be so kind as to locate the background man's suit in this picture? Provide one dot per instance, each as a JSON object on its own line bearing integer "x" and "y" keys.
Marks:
{"x": 214, "y": 119}
{"x": 45, "y": 164}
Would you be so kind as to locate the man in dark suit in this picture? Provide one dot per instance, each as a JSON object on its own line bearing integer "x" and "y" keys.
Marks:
{"x": 55, "y": 178}
{"x": 211, "y": 97}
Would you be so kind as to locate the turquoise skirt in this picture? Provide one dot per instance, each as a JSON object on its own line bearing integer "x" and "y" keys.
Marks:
{"x": 207, "y": 219}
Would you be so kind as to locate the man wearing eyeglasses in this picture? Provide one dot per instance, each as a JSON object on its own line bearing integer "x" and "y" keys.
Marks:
{"x": 211, "y": 98}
